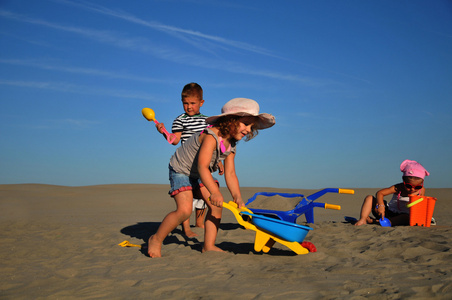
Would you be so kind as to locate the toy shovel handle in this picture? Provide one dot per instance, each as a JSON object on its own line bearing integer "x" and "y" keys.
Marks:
{"x": 170, "y": 137}
{"x": 149, "y": 114}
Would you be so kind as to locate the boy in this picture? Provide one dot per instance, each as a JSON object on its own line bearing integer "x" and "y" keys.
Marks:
{"x": 184, "y": 126}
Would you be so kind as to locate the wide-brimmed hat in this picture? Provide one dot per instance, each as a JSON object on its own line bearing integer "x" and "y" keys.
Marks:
{"x": 244, "y": 107}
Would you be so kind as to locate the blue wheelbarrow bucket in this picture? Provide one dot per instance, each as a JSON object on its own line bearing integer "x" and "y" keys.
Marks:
{"x": 304, "y": 207}
{"x": 287, "y": 231}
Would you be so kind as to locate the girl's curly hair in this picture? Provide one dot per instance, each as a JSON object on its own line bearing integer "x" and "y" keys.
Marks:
{"x": 228, "y": 125}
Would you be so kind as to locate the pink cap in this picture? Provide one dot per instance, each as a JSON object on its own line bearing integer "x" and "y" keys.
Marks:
{"x": 413, "y": 168}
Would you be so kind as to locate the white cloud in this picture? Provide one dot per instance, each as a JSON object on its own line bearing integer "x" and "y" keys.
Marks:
{"x": 185, "y": 35}
{"x": 77, "y": 89}
{"x": 163, "y": 52}
{"x": 79, "y": 70}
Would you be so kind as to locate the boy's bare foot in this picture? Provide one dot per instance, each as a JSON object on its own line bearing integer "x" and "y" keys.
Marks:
{"x": 187, "y": 231}
{"x": 190, "y": 233}
{"x": 154, "y": 247}
{"x": 214, "y": 248}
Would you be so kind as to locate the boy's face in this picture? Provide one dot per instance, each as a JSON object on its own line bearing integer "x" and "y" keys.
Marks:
{"x": 192, "y": 105}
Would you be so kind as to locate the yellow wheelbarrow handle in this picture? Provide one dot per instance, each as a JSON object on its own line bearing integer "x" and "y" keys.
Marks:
{"x": 346, "y": 191}
{"x": 332, "y": 206}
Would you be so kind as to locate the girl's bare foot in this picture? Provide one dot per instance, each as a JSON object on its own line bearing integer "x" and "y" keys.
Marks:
{"x": 361, "y": 222}
{"x": 367, "y": 220}
{"x": 214, "y": 248}
{"x": 154, "y": 247}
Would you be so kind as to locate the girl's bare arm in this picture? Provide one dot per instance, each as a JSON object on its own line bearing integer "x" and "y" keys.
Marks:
{"x": 208, "y": 145}
{"x": 380, "y": 198}
{"x": 231, "y": 179}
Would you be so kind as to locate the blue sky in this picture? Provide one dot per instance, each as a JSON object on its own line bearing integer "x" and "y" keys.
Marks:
{"x": 356, "y": 87}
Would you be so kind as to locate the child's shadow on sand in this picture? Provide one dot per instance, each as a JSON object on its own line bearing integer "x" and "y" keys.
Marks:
{"x": 144, "y": 230}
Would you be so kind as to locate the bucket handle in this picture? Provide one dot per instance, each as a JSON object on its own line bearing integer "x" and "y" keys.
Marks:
{"x": 415, "y": 202}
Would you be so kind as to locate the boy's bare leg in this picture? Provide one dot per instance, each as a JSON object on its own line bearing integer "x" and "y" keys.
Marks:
{"x": 200, "y": 217}
{"x": 187, "y": 230}
{"x": 184, "y": 202}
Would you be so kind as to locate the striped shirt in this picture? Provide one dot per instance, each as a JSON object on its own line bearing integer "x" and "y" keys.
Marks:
{"x": 189, "y": 125}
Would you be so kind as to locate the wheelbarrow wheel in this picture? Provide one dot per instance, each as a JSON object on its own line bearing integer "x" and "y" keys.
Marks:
{"x": 310, "y": 246}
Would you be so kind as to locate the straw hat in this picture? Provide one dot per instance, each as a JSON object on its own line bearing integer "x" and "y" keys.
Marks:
{"x": 244, "y": 107}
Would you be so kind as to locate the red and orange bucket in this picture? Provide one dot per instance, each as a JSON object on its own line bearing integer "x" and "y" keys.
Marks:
{"x": 421, "y": 210}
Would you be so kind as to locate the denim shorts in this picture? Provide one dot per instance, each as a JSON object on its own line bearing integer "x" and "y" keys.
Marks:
{"x": 180, "y": 182}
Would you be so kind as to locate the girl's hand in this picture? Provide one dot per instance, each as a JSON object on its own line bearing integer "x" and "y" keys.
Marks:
{"x": 381, "y": 210}
{"x": 239, "y": 202}
{"x": 217, "y": 199}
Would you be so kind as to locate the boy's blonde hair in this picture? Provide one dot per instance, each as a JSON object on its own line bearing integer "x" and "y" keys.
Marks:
{"x": 192, "y": 90}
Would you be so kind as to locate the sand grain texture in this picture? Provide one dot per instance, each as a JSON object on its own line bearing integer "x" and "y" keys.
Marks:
{"x": 61, "y": 243}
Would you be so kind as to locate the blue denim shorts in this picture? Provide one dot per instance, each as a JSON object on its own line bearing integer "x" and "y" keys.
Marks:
{"x": 180, "y": 182}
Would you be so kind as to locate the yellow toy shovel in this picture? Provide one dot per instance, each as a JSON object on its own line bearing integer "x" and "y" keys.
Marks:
{"x": 149, "y": 114}
{"x": 128, "y": 244}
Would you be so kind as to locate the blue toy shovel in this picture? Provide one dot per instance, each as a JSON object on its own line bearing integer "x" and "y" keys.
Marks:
{"x": 384, "y": 222}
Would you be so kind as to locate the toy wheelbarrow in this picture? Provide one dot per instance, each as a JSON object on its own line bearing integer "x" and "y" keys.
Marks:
{"x": 305, "y": 206}
{"x": 270, "y": 230}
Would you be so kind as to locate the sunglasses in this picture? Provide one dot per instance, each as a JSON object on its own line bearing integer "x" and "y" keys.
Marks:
{"x": 410, "y": 186}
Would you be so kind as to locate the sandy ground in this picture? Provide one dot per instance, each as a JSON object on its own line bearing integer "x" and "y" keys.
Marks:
{"x": 62, "y": 243}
